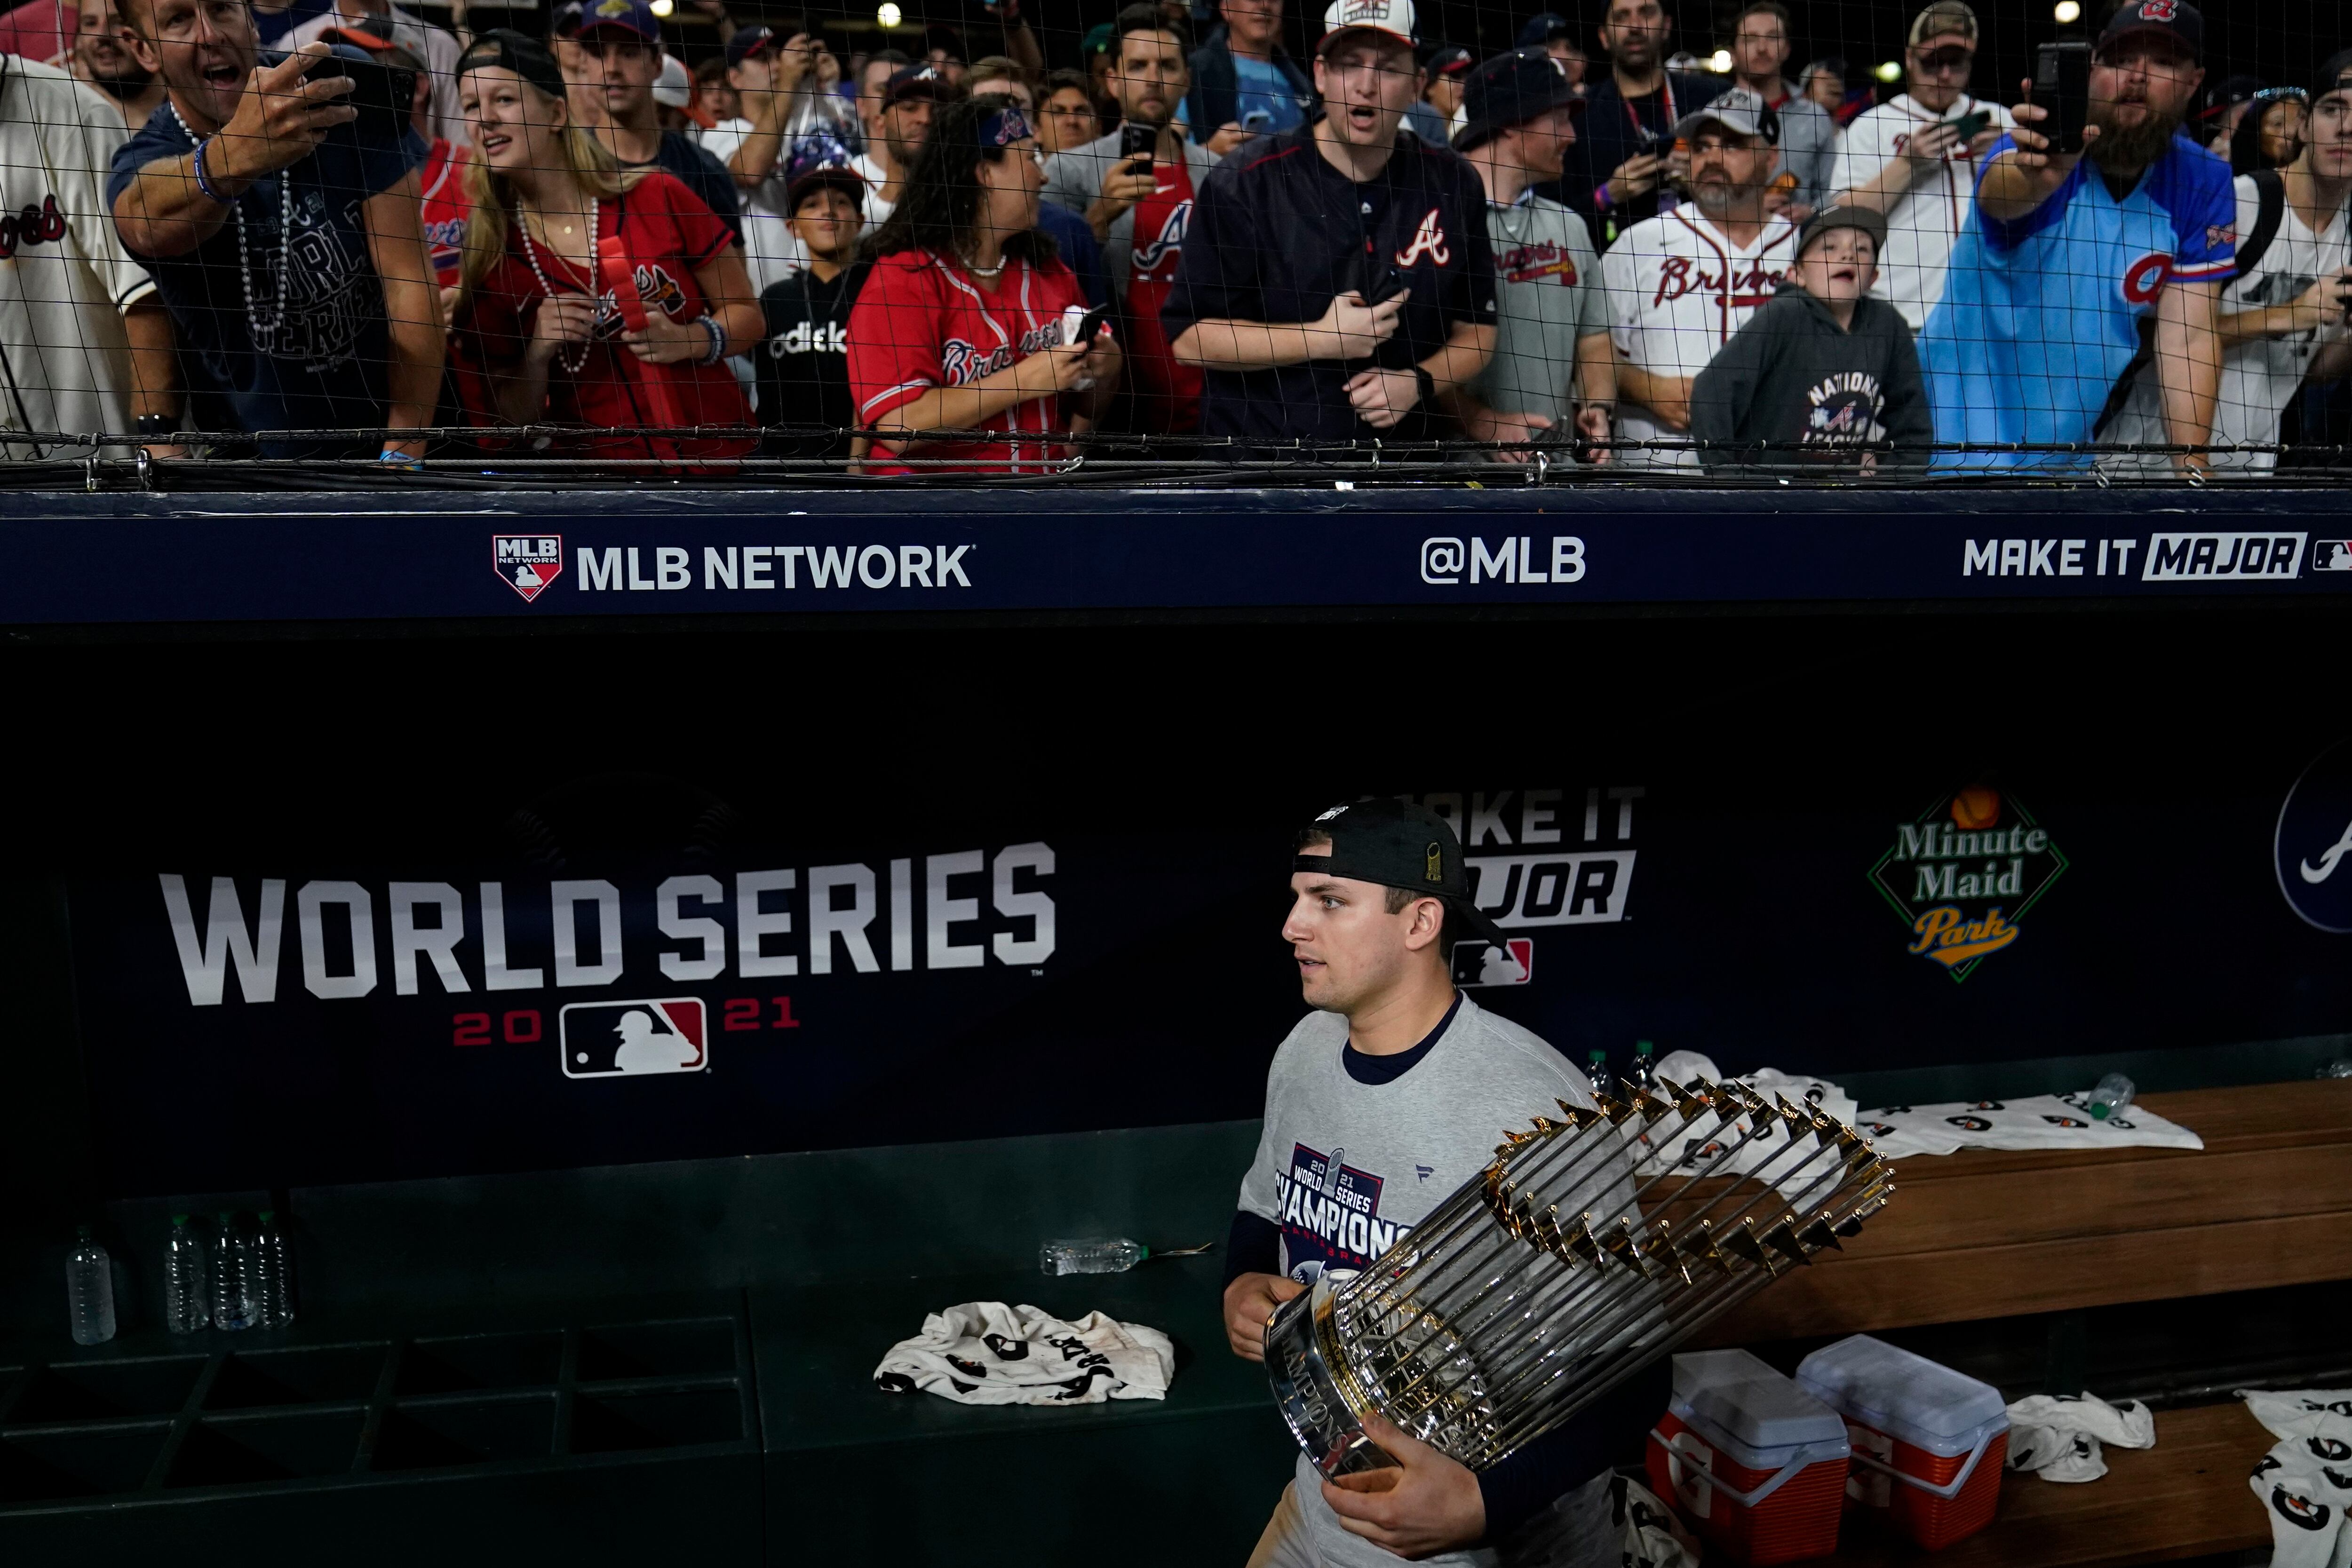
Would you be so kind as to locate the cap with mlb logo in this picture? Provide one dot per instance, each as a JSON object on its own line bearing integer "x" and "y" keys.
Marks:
{"x": 1392, "y": 18}
{"x": 1385, "y": 842}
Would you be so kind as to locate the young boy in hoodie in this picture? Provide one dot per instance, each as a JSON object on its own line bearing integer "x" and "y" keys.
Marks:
{"x": 1822, "y": 375}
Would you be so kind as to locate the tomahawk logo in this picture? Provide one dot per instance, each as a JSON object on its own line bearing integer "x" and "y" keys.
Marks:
{"x": 625, "y": 1040}
{"x": 527, "y": 562}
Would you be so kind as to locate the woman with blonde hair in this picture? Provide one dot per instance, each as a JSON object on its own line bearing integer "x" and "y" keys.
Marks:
{"x": 590, "y": 295}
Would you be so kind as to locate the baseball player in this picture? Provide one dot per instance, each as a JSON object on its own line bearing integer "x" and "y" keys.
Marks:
{"x": 1910, "y": 160}
{"x": 85, "y": 345}
{"x": 1682, "y": 284}
{"x": 1391, "y": 1095}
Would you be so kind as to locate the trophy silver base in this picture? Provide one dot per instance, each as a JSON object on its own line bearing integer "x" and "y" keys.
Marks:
{"x": 1317, "y": 1394}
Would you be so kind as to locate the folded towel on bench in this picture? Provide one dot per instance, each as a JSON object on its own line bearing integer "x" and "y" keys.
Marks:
{"x": 2305, "y": 1482}
{"x": 986, "y": 1353}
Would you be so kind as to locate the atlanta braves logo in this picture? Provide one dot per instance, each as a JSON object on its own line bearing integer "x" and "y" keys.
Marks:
{"x": 656, "y": 287}
{"x": 43, "y": 225}
{"x": 2145, "y": 280}
{"x": 1171, "y": 240}
{"x": 2158, "y": 11}
{"x": 1428, "y": 240}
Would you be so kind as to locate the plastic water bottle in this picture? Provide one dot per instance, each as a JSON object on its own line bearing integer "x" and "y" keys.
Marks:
{"x": 233, "y": 1274}
{"x": 1596, "y": 1067}
{"x": 2112, "y": 1097}
{"x": 1091, "y": 1255}
{"x": 2339, "y": 1068}
{"x": 273, "y": 1293}
{"x": 185, "y": 1309}
{"x": 1643, "y": 1073}
{"x": 90, "y": 1291}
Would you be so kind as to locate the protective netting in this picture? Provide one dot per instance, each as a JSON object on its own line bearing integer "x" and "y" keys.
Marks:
{"x": 1261, "y": 240}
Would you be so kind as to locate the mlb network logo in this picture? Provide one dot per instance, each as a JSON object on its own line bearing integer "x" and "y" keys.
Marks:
{"x": 527, "y": 562}
{"x": 629, "y": 1040}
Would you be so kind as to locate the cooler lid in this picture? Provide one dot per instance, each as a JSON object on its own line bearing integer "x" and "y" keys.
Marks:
{"x": 1730, "y": 1393}
{"x": 1922, "y": 1402}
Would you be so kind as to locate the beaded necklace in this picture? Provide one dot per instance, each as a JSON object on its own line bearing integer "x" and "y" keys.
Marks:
{"x": 530, "y": 253}
{"x": 262, "y": 335}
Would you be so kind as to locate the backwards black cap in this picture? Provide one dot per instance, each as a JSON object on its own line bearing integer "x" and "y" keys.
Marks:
{"x": 2331, "y": 75}
{"x": 1386, "y": 841}
{"x": 525, "y": 55}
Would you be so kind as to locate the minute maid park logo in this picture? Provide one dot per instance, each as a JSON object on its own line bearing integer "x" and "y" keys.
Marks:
{"x": 1963, "y": 874}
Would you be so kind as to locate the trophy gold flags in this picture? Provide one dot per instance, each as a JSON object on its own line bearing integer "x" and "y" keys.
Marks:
{"x": 1585, "y": 1250}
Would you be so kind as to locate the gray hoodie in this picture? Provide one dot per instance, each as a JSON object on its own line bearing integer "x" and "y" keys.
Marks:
{"x": 1794, "y": 378}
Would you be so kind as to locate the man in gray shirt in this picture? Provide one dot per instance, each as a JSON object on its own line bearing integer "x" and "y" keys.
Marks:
{"x": 1552, "y": 369}
{"x": 1386, "y": 1098}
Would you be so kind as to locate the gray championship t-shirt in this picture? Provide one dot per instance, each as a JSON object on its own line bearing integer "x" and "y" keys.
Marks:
{"x": 1547, "y": 295}
{"x": 1344, "y": 1167}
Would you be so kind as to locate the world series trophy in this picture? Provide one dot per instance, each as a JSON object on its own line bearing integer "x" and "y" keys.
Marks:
{"x": 1583, "y": 1252}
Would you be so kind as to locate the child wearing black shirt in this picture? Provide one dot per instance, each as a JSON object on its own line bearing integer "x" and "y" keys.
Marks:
{"x": 803, "y": 366}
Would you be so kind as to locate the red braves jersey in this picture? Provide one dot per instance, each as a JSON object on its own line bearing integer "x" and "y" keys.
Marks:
{"x": 668, "y": 234}
{"x": 1167, "y": 394}
{"x": 446, "y": 206}
{"x": 920, "y": 322}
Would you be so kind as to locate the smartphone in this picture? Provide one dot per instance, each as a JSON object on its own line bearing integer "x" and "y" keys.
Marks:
{"x": 1972, "y": 126}
{"x": 1138, "y": 141}
{"x": 2062, "y": 84}
{"x": 381, "y": 93}
{"x": 1081, "y": 329}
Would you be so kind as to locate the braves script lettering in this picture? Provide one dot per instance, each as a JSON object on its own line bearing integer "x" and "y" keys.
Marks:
{"x": 1680, "y": 275}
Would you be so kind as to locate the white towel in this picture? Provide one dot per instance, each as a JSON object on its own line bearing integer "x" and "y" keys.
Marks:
{"x": 2058, "y": 1436}
{"x": 2029, "y": 1121}
{"x": 2305, "y": 1482}
{"x": 985, "y": 1352}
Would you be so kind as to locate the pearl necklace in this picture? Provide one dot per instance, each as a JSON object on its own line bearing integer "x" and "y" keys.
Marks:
{"x": 263, "y": 335}
{"x": 530, "y": 253}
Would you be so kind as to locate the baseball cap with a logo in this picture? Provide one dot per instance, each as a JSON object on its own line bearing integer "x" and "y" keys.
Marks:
{"x": 2176, "y": 19}
{"x": 1739, "y": 110}
{"x": 1511, "y": 89}
{"x": 1393, "y": 18}
{"x": 625, "y": 15}
{"x": 1385, "y": 842}
{"x": 1945, "y": 19}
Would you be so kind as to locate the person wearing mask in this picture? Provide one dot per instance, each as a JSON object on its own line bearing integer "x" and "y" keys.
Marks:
{"x": 2282, "y": 318}
{"x": 767, "y": 75}
{"x": 968, "y": 319}
{"x": 1916, "y": 160}
{"x": 1681, "y": 284}
{"x": 101, "y": 59}
{"x": 1809, "y": 137}
{"x": 1139, "y": 207}
{"x": 1553, "y": 369}
{"x": 909, "y": 99}
{"x": 1067, "y": 118}
{"x": 557, "y": 224}
{"x": 85, "y": 344}
{"x": 289, "y": 251}
{"x": 2083, "y": 271}
{"x": 803, "y": 366}
{"x": 2271, "y": 133}
{"x": 1243, "y": 85}
{"x": 1628, "y": 137}
{"x": 621, "y": 41}
{"x": 1824, "y": 375}
{"x": 1337, "y": 278}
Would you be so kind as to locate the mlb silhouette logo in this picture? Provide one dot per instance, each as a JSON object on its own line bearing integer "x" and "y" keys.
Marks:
{"x": 630, "y": 1040}
{"x": 1484, "y": 963}
{"x": 527, "y": 562}
{"x": 2332, "y": 554}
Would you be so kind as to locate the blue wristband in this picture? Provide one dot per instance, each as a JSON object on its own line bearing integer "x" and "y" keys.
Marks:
{"x": 202, "y": 184}
{"x": 709, "y": 324}
{"x": 393, "y": 458}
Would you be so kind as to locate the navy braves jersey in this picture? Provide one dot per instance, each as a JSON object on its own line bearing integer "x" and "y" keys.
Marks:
{"x": 1278, "y": 234}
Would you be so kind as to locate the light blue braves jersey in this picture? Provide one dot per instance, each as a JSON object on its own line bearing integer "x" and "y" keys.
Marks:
{"x": 2042, "y": 318}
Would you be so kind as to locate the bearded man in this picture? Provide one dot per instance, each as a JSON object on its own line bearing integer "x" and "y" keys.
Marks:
{"x": 101, "y": 59}
{"x": 2085, "y": 271}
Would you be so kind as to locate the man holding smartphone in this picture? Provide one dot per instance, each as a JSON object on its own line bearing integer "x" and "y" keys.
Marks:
{"x": 1135, "y": 188}
{"x": 1915, "y": 159}
{"x": 288, "y": 246}
{"x": 1627, "y": 148}
{"x": 1336, "y": 278}
{"x": 2087, "y": 267}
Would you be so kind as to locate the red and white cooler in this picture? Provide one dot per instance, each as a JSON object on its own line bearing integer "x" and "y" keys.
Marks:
{"x": 1751, "y": 1461}
{"x": 1928, "y": 1442}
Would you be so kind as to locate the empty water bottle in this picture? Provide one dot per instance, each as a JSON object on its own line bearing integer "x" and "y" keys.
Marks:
{"x": 90, "y": 1291}
{"x": 273, "y": 1293}
{"x": 1091, "y": 1255}
{"x": 2339, "y": 1068}
{"x": 1643, "y": 1073}
{"x": 186, "y": 1308}
{"x": 2113, "y": 1097}
{"x": 233, "y": 1273}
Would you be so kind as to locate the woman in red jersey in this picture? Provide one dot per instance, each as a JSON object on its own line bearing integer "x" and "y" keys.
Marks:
{"x": 960, "y": 327}
{"x": 556, "y": 228}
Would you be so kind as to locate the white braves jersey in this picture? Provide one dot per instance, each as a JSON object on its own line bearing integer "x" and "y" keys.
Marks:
{"x": 1678, "y": 289}
{"x": 65, "y": 281}
{"x": 2258, "y": 378}
{"x": 1925, "y": 224}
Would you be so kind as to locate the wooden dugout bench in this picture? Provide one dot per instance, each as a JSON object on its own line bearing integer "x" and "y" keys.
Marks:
{"x": 1984, "y": 1234}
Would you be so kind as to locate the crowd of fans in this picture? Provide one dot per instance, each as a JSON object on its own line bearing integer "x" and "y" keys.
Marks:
{"x": 236, "y": 228}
